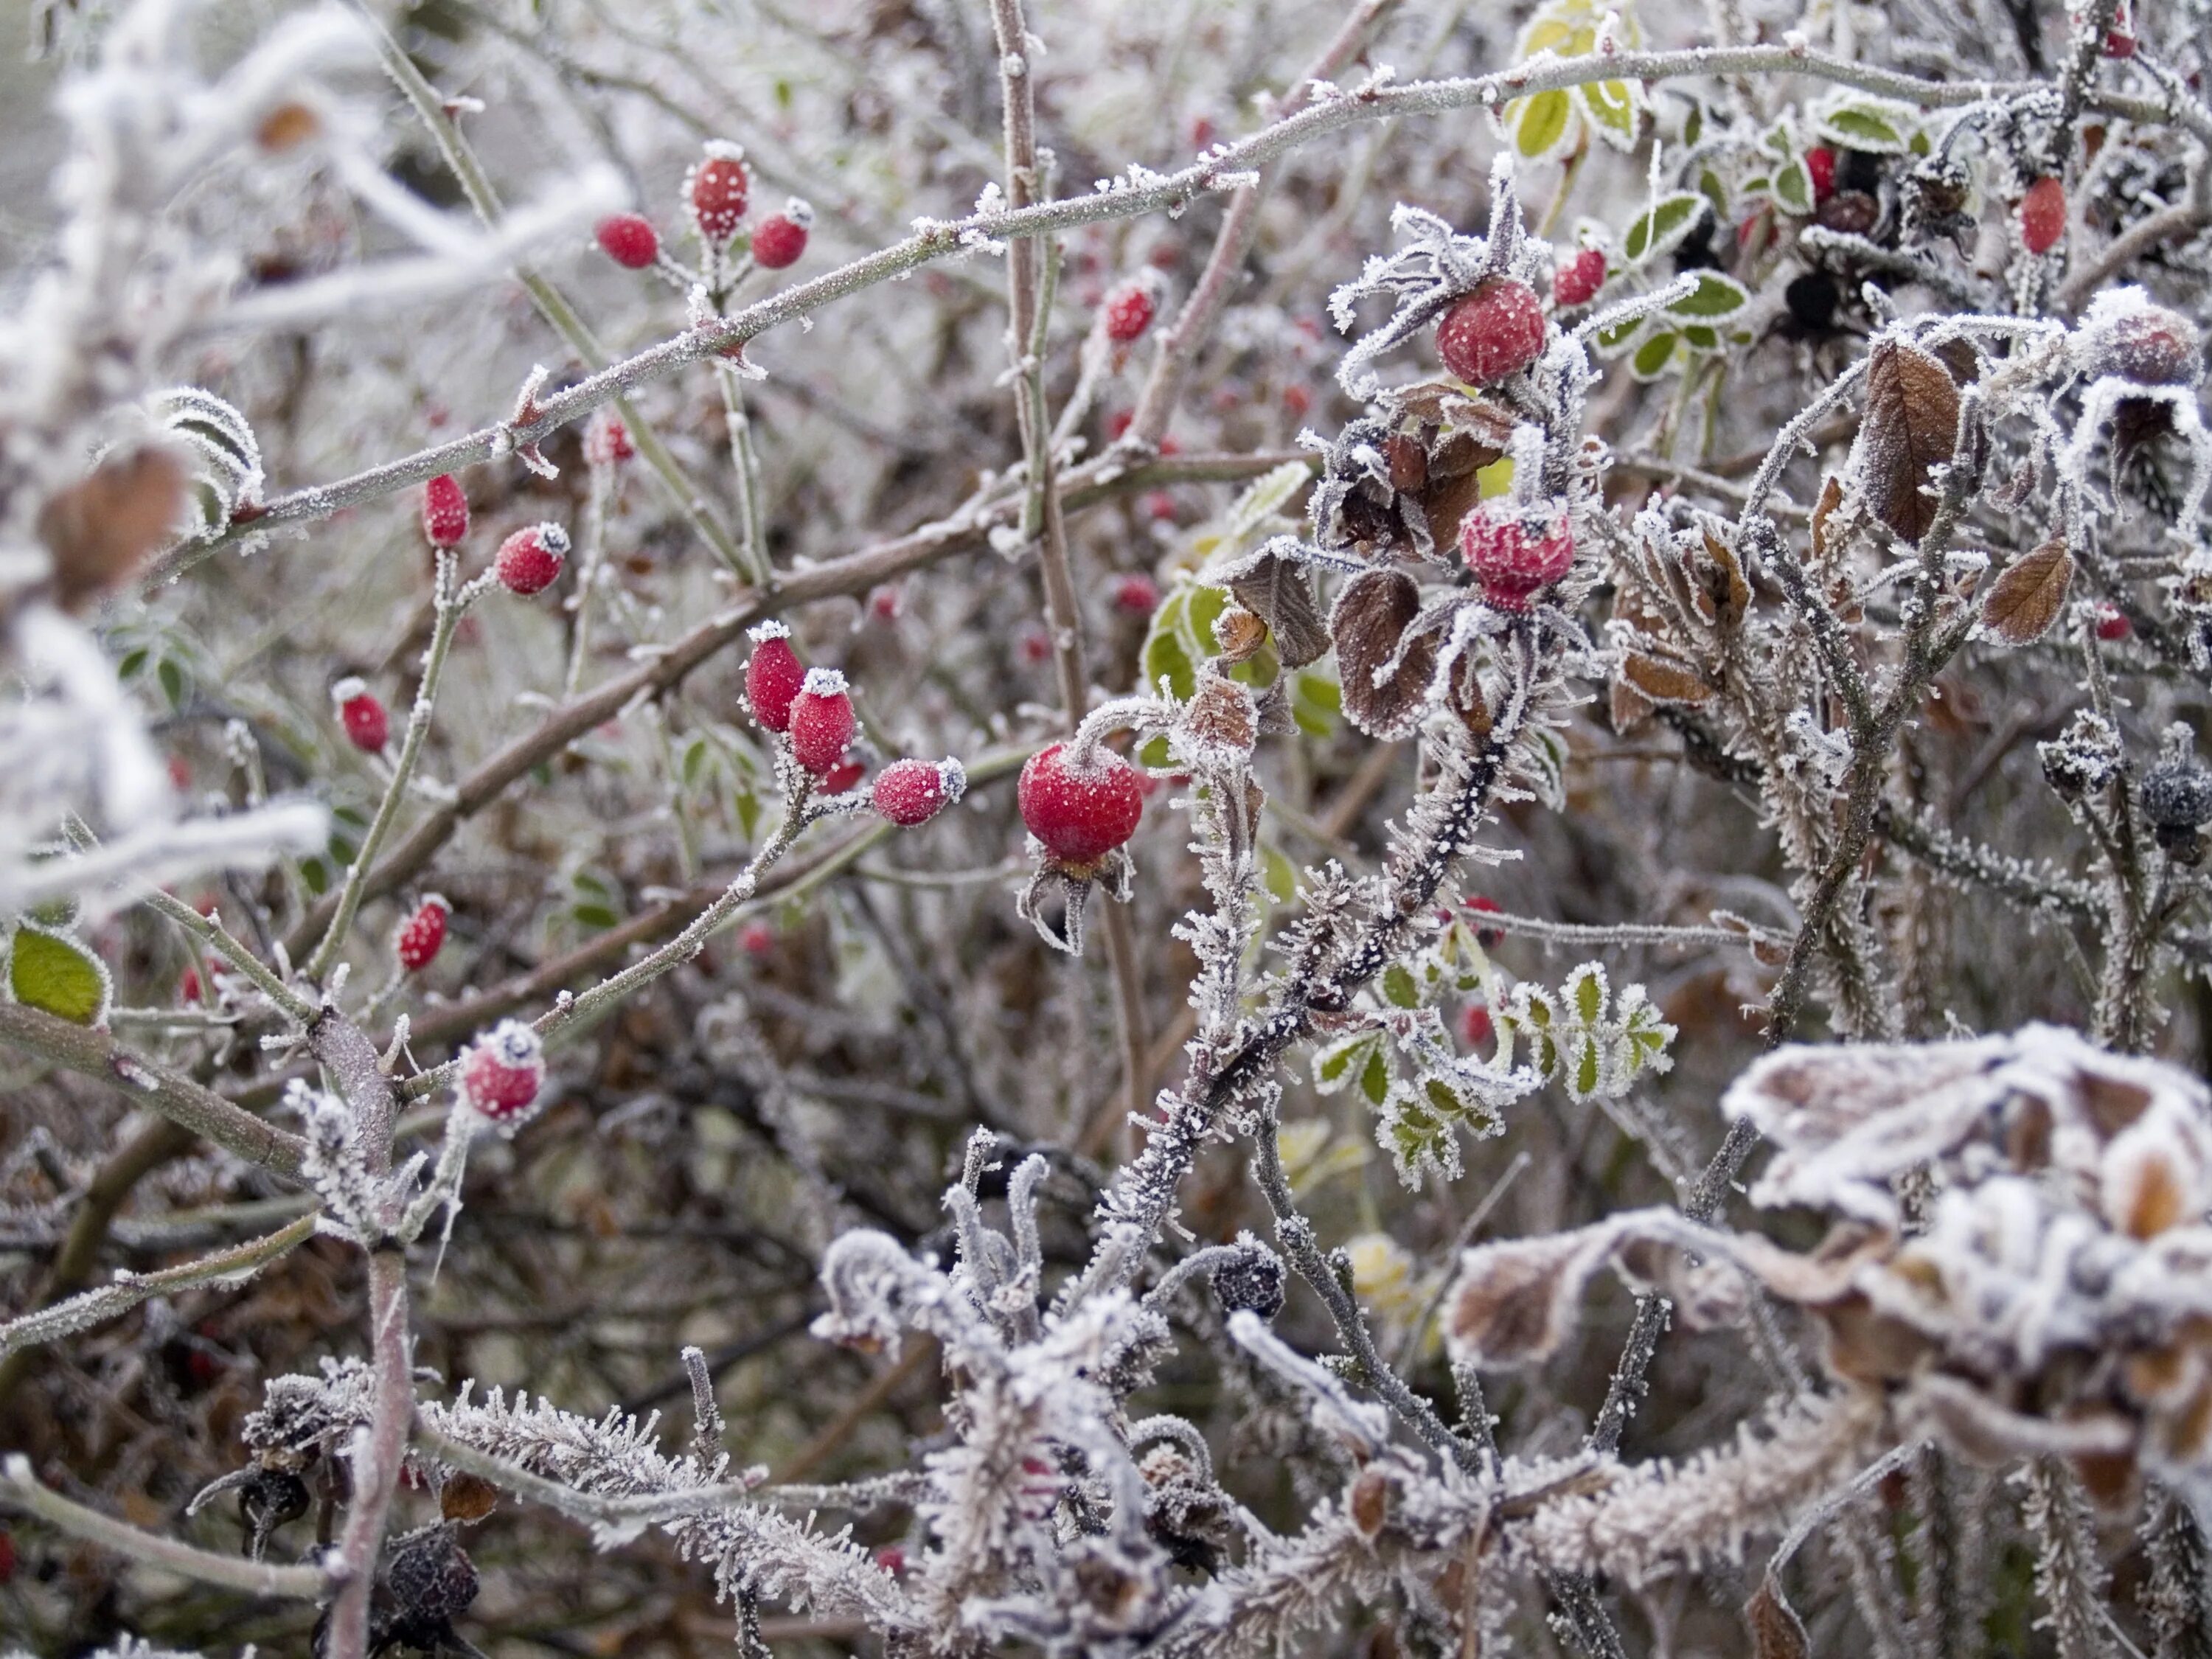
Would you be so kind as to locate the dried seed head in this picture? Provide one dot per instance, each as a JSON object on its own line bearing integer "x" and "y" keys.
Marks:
{"x": 1251, "y": 1281}
{"x": 432, "y": 1582}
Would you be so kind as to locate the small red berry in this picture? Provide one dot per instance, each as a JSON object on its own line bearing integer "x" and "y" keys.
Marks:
{"x": 1496, "y": 331}
{"x": 1579, "y": 276}
{"x": 716, "y": 191}
{"x": 2126, "y": 335}
{"x": 1475, "y": 1026}
{"x": 422, "y": 935}
{"x": 885, "y": 603}
{"x": 1159, "y": 506}
{"x": 1821, "y": 163}
{"x": 530, "y": 560}
{"x": 444, "y": 511}
{"x": 773, "y": 675}
{"x": 1298, "y": 400}
{"x": 841, "y": 777}
{"x": 180, "y": 772}
{"x": 756, "y": 938}
{"x": 606, "y": 440}
{"x": 1512, "y": 559}
{"x": 503, "y": 1072}
{"x": 188, "y": 985}
{"x": 2043, "y": 216}
{"x": 1034, "y": 645}
{"x": 911, "y": 792}
{"x": 1128, "y": 312}
{"x": 780, "y": 239}
{"x": 629, "y": 239}
{"x": 1168, "y": 446}
{"x": 1137, "y": 594}
{"x": 821, "y": 722}
{"x": 891, "y": 1559}
{"x": 1488, "y": 937}
{"x": 1117, "y": 424}
{"x": 368, "y": 726}
{"x": 1080, "y": 813}
{"x": 2111, "y": 622}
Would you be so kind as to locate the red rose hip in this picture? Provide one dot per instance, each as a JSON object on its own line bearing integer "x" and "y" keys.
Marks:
{"x": 1579, "y": 276}
{"x": 780, "y": 239}
{"x": 716, "y": 192}
{"x": 422, "y": 935}
{"x": 821, "y": 722}
{"x": 1080, "y": 813}
{"x": 530, "y": 560}
{"x": 773, "y": 675}
{"x": 444, "y": 511}
{"x": 629, "y": 239}
{"x": 2043, "y": 216}
{"x": 1496, "y": 331}
{"x": 368, "y": 726}
{"x": 1128, "y": 312}
{"x": 912, "y": 792}
{"x": 1511, "y": 558}
{"x": 503, "y": 1073}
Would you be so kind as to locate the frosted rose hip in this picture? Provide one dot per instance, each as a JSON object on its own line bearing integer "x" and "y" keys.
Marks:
{"x": 1579, "y": 276}
{"x": 368, "y": 726}
{"x": 629, "y": 239}
{"x": 1128, "y": 312}
{"x": 422, "y": 935}
{"x": 912, "y": 792}
{"x": 780, "y": 239}
{"x": 773, "y": 675}
{"x": 1080, "y": 814}
{"x": 1511, "y": 558}
{"x": 530, "y": 560}
{"x": 2043, "y": 216}
{"x": 716, "y": 192}
{"x": 503, "y": 1073}
{"x": 444, "y": 511}
{"x": 1494, "y": 332}
{"x": 821, "y": 720}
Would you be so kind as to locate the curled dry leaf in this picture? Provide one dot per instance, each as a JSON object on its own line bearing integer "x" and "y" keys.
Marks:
{"x": 1911, "y": 427}
{"x": 1514, "y": 1303}
{"x": 1369, "y": 621}
{"x": 1725, "y": 582}
{"x": 1278, "y": 592}
{"x": 1832, "y": 497}
{"x": 1777, "y": 1632}
{"x": 102, "y": 528}
{"x": 2026, "y": 599}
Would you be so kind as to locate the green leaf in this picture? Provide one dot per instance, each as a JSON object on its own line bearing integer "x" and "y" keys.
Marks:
{"x": 1399, "y": 989}
{"x": 1538, "y": 124}
{"x": 1714, "y": 295}
{"x": 1166, "y": 657}
{"x": 1613, "y": 339}
{"x": 52, "y": 972}
{"x": 596, "y": 917}
{"x": 173, "y": 682}
{"x": 1870, "y": 123}
{"x": 1655, "y": 356}
{"x": 1585, "y": 989}
{"x": 1613, "y": 107}
{"x": 1585, "y": 1069}
{"x": 1793, "y": 188}
{"x": 1267, "y": 496}
{"x": 1662, "y": 229}
{"x": 1375, "y": 1080}
{"x": 696, "y": 755}
{"x": 1316, "y": 701}
{"x": 749, "y": 811}
{"x": 316, "y": 874}
{"x": 1278, "y": 876}
{"x": 1344, "y": 1059}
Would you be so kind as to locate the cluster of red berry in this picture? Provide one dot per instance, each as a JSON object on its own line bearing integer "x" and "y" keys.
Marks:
{"x": 811, "y": 708}
{"x": 715, "y": 193}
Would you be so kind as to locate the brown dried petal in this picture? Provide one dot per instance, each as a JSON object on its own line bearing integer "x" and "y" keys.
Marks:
{"x": 100, "y": 530}
{"x": 2026, "y": 599}
{"x": 1369, "y": 1502}
{"x": 1369, "y": 622}
{"x": 1911, "y": 427}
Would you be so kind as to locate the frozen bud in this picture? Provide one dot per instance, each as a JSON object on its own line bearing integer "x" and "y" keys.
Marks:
{"x": 2127, "y": 337}
{"x": 530, "y": 561}
{"x": 715, "y": 193}
{"x": 912, "y": 792}
{"x": 1251, "y": 1281}
{"x": 503, "y": 1073}
{"x": 444, "y": 511}
{"x": 1496, "y": 331}
{"x": 1079, "y": 813}
{"x": 780, "y": 239}
{"x": 821, "y": 720}
{"x": 629, "y": 239}
{"x": 2081, "y": 759}
{"x": 368, "y": 726}
{"x": 422, "y": 935}
{"x": 606, "y": 440}
{"x": 773, "y": 675}
{"x": 1512, "y": 557}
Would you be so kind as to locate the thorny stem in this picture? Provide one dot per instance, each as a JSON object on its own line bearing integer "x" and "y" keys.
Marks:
{"x": 944, "y": 239}
{"x": 453, "y": 603}
{"x": 21, "y": 1491}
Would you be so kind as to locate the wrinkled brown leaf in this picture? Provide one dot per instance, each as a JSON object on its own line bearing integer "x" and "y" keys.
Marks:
{"x": 1369, "y": 1502}
{"x": 1832, "y": 497}
{"x": 1911, "y": 427}
{"x": 1515, "y": 1302}
{"x": 1776, "y": 1630}
{"x": 1628, "y": 706}
{"x": 1369, "y": 620}
{"x": 2027, "y": 598}
{"x": 1278, "y": 593}
{"x": 1454, "y": 485}
{"x": 1662, "y": 681}
{"x": 100, "y": 529}
{"x": 1730, "y": 591}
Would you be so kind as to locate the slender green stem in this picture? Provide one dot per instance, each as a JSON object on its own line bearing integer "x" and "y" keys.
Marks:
{"x": 210, "y": 932}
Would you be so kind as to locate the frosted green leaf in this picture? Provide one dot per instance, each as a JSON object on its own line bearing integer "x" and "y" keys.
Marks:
{"x": 1714, "y": 295}
{"x": 54, "y": 973}
{"x": 1585, "y": 990}
{"x": 1655, "y": 356}
{"x": 1399, "y": 988}
{"x": 1613, "y": 107}
{"x": 1870, "y": 123}
{"x": 1664, "y": 228}
{"x": 1793, "y": 188}
{"x": 1538, "y": 124}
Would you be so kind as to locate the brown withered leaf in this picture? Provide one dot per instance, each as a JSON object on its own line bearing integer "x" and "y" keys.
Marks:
{"x": 1731, "y": 592}
{"x": 2027, "y": 598}
{"x": 1514, "y": 1303}
{"x": 1369, "y": 622}
{"x": 103, "y": 527}
{"x": 467, "y": 1496}
{"x": 1278, "y": 592}
{"x": 1455, "y": 485}
{"x": 1832, "y": 497}
{"x": 1777, "y": 1632}
{"x": 1911, "y": 427}
{"x": 1240, "y": 634}
{"x": 1369, "y": 1502}
{"x": 1628, "y": 706}
{"x": 1662, "y": 681}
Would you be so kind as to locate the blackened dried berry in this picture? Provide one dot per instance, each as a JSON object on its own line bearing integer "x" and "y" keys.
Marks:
{"x": 430, "y": 1581}
{"x": 1251, "y": 1280}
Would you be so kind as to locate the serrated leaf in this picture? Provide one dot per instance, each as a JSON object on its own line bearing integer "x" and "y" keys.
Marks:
{"x": 1343, "y": 1061}
{"x": 1375, "y": 1076}
{"x": 52, "y": 972}
{"x": 1714, "y": 295}
{"x": 1266, "y": 495}
{"x": 1585, "y": 989}
{"x": 2026, "y": 599}
{"x": 1664, "y": 227}
{"x": 1910, "y": 427}
{"x": 1585, "y": 1068}
{"x": 1539, "y": 124}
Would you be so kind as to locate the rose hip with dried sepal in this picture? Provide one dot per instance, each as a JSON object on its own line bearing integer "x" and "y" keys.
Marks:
{"x": 1510, "y": 557}
{"x": 529, "y": 561}
{"x": 716, "y": 191}
{"x": 780, "y": 239}
{"x": 362, "y": 712}
{"x": 1492, "y": 333}
{"x": 773, "y": 675}
{"x": 503, "y": 1073}
{"x": 629, "y": 239}
{"x": 821, "y": 722}
{"x": 422, "y": 934}
{"x": 913, "y": 792}
{"x": 444, "y": 511}
{"x": 1080, "y": 813}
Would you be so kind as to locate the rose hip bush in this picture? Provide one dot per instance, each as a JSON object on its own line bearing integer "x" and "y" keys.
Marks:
{"x": 1111, "y": 831}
